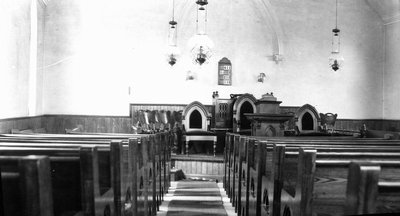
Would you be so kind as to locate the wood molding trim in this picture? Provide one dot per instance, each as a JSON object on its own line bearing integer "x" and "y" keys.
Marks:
{"x": 150, "y": 104}
{"x": 84, "y": 116}
{"x": 19, "y": 118}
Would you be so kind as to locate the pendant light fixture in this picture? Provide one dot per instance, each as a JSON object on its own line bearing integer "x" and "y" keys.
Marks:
{"x": 336, "y": 60}
{"x": 261, "y": 77}
{"x": 173, "y": 51}
{"x": 200, "y": 44}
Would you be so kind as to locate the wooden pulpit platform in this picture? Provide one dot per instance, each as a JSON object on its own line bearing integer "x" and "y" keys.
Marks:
{"x": 200, "y": 165}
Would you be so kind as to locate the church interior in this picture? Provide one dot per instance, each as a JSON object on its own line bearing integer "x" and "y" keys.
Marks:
{"x": 199, "y": 107}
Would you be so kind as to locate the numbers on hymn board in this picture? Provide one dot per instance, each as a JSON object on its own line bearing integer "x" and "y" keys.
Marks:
{"x": 223, "y": 72}
{"x": 225, "y": 67}
{"x": 226, "y": 82}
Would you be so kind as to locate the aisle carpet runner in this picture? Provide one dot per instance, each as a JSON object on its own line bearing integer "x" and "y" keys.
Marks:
{"x": 192, "y": 198}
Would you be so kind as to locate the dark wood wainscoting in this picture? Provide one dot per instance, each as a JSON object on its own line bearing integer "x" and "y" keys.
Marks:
{"x": 371, "y": 124}
{"x": 58, "y": 123}
{"x": 89, "y": 123}
{"x": 122, "y": 124}
{"x": 23, "y": 123}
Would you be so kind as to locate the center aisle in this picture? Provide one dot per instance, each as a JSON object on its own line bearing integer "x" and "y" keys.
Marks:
{"x": 192, "y": 198}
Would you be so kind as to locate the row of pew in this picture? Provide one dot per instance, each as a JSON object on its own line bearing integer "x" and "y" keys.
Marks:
{"x": 311, "y": 176}
{"x": 84, "y": 174}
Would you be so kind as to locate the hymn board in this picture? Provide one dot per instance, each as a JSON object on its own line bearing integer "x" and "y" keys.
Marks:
{"x": 224, "y": 72}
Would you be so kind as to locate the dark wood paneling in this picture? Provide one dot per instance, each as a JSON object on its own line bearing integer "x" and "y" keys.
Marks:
{"x": 97, "y": 124}
{"x": 200, "y": 167}
{"x": 122, "y": 124}
{"x": 289, "y": 109}
{"x": 371, "y": 124}
{"x": 20, "y": 123}
{"x": 58, "y": 123}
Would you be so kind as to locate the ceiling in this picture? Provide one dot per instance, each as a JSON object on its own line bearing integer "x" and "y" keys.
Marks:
{"x": 388, "y": 10}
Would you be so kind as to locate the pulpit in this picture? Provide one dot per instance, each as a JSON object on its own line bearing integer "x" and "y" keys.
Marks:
{"x": 268, "y": 120}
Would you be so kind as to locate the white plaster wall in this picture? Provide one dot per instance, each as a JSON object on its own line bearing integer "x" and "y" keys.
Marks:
{"x": 355, "y": 91}
{"x": 14, "y": 57}
{"x": 392, "y": 75}
{"x": 96, "y": 50}
{"x": 84, "y": 71}
{"x": 40, "y": 58}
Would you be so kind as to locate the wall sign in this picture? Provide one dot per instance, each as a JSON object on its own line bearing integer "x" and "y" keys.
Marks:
{"x": 224, "y": 72}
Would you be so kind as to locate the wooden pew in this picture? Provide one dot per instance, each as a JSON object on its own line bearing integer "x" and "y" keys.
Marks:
{"x": 160, "y": 142}
{"x": 318, "y": 183}
{"x": 286, "y": 172}
{"x": 233, "y": 169}
{"x": 159, "y": 168}
{"x": 77, "y": 186}
{"x": 240, "y": 175}
{"x": 146, "y": 150}
{"x": 265, "y": 196}
{"x": 227, "y": 161}
{"x": 166, "y": 149}
{"x": 142, "y": 172}
{"x": 149, "y": 177}
{"x": 25, "y": 187}
{"x": 367, "y": 143}
{"x": 388, "y": 193}
{"x": 165, "y": 163}
{"x": 100, "y": 136}
{"x": 126, "y": 179}
{"x": 333, "y": 140}
{"x": 272, "y": 180}
{"x": 262, "y": 204}
{"x": 255, "y": 171}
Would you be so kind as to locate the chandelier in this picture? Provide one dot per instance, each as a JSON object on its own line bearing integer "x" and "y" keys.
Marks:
{"x": 200, "y": 44}
{"x": 173, "y": 51}
{"x": 336, "y": 60}
{"x": 261, "y": 77}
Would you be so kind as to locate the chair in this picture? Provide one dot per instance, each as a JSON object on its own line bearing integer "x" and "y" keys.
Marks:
{"x": 328, "y": 121}
{"x": 196, "y": 124}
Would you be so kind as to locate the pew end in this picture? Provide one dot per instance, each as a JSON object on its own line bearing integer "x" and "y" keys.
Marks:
{"x": 362, "y": 188}
{"x": 26, "y": 186}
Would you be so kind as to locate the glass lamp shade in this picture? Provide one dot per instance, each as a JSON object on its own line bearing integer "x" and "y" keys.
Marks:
{"x": 336, "y": 40}
{"x": 173, "y": 53}
{"x": 336, "y": 61}
{"x": 201, "y": 48}
{"x": 190, "y": 75}
{"x": 261, "y": 77}
{"x": 200, "y": 40}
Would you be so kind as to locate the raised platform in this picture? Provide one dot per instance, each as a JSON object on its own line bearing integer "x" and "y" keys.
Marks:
{"x": 201, "y": 166}
{"x": 198, "y": 157}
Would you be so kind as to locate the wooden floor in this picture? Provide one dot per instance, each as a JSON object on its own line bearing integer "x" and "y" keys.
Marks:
{"x": 196, "y": 197}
